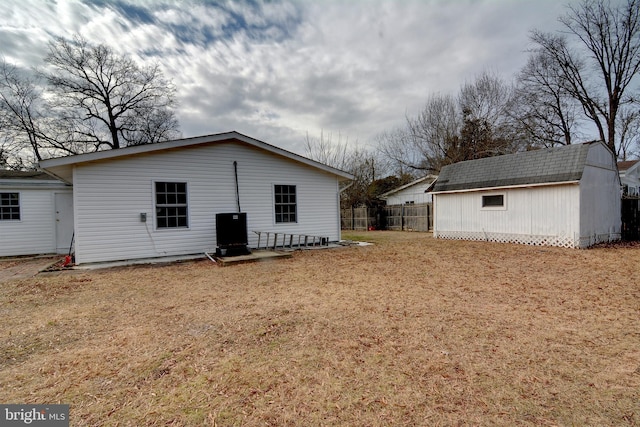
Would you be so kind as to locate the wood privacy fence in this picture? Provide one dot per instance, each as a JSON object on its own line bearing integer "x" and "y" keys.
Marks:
{"x": 631, "y": 219}
{"x": 395, "y": 217}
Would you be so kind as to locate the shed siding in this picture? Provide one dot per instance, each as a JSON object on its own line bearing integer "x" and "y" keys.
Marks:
{"x": 600, "y": 199}
{"x": 34, "y": 233}
{"x": 109, "y": 197}
{"x": 537, "y": 215}
{"x": 415, "y": 194}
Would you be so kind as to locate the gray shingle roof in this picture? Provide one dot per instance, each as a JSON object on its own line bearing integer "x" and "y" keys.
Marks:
{"x": 551, "y": 165}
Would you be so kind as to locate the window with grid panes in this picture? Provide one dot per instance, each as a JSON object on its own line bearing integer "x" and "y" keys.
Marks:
{"x": 171, "y": 205}
{"x": 9, "y": 206}
{"x": 285, "y": 203}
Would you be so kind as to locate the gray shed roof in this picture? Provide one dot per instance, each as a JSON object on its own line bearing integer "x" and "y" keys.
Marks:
{"x": 546, "y": 166}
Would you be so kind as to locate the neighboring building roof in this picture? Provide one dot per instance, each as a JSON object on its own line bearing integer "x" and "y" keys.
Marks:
{"x": 431, "y": 178}
{"x": 545, "y": 166}
{"x": 24, "y": 175}
{"x": 62, "y": 167}
{"x": 627, "y": 164}
{"x": 28, "y": 179}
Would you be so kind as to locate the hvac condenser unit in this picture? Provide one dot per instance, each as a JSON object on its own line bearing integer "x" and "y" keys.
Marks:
{"x": 231, "y": 234}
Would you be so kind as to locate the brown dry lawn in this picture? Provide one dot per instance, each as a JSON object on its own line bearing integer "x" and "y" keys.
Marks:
{"x": 410, "y": 331}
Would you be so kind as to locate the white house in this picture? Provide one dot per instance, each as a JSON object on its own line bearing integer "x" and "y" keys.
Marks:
{"x": 630, "y": 177}
{"x": 36, "y": 214}
{"x": 162, "y": 199}
{"x": 566, "y": 196}
{"x": 415, "y": 192}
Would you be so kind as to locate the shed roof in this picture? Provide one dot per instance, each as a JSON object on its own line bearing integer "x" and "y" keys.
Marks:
{"x": 62, "y": 167}
{"x": 545, "y": 166}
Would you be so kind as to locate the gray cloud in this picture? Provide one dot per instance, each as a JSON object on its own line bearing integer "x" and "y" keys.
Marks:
{"x": 276, "y": 70}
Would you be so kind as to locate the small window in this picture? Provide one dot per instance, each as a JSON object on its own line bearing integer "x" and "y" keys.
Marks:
{"x": 285, "y": 203}
{"x": 493, "y": 201}
{"x": 171, "y": 205}
{"x": 9, "y": 206}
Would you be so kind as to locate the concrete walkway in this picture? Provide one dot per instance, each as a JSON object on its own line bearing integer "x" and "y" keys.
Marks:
{"x": 21, "y": 268}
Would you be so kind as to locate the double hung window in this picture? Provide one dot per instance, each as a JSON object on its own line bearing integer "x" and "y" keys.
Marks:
{"x": 285, "y": 203}
{"x": 9, "y": 206}
{"x": 171, "y": 205}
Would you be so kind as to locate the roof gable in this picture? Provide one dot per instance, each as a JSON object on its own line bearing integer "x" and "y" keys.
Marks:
{"x": 546, "y": 166}
{"x": 428, "y": 178}
{"x": 62, "y": 167}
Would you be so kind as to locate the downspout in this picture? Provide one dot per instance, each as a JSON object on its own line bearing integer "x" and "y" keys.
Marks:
{"x": 235, "y": 169}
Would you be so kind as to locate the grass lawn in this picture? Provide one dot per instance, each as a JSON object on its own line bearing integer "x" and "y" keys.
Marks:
{"x": 409, "y": 331}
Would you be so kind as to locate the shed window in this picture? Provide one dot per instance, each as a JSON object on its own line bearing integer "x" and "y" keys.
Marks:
{"x": 171, "y": 205}
{"x": 493, "y": 201}
{"x": 285, "y": 203}
{"x": 9, "y": 206}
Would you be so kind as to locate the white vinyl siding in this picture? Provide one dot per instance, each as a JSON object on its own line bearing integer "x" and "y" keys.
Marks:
{"x": 600, "y": 199}
{"x": 540, "y": 211}
{"x": 35, "y": 231}
{"x": 110, "y": 196}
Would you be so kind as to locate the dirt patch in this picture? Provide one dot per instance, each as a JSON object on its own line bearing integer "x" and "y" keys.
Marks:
{"x": 409, "y": 331}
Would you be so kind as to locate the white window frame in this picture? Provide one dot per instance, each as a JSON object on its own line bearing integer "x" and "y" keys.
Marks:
{"x": 275, "y": 214}
{"x": 502, "y": 207}
{"x": 156, "y": 207}
{"x": 19, "y": 206}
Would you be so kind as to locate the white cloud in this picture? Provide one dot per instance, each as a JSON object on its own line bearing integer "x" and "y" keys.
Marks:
{"x": 280, "y": 69}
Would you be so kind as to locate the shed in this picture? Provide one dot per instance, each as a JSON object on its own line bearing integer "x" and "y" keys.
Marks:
{"x": 415, "y": 192}
{"x": 630, "y": 177}
{"x": 36, "y": 214}
{"x": 563, "y": 196}
{"x": 161, "y": 199}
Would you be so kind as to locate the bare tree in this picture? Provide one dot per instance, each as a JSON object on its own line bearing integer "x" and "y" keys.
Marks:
{"x": 628, "y": 134}
{"x": 327, "y": 151}
{"x": 20, "y": 114}
{"x": 598, "y": 70}
{"x": 449, "y": 129}
{"x": 361, "y": 163}
{"x": 107, "y": 100}
{"x": 544, "y": 113}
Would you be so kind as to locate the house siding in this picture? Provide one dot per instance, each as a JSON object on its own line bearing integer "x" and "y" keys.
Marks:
{"x": 35, "y": 232}
{"x": 537, "y": 215}
{"x": 110, "y": 195}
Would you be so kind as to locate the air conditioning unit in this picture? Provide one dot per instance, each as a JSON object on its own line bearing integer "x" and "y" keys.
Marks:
{"x": 231, "y": 234}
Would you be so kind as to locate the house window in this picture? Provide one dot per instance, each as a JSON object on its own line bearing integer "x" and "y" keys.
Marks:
{"x": 285, "y": 203}
{"x": 493, "y": 201}
{"x": 9, "y": 206}
{"x": 171, "y": 205}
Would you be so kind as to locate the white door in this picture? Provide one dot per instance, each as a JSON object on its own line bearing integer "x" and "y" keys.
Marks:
{"x": 64, "y": 221}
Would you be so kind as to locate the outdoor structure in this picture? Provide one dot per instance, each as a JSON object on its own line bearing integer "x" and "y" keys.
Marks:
{"x": 36, "y": 214}
{"x": 565, "y": 196}
{"x": 415, "y": 192}
{"x": 630, "y": 177}
{"x": 162, "y": 199}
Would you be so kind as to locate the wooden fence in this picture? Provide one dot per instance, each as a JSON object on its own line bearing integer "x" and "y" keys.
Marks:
{"x": 631, "y": 219}
{"x": 395, "y": 217}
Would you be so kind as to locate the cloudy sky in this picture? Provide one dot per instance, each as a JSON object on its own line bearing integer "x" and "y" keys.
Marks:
{"x": 277, "y": 70}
